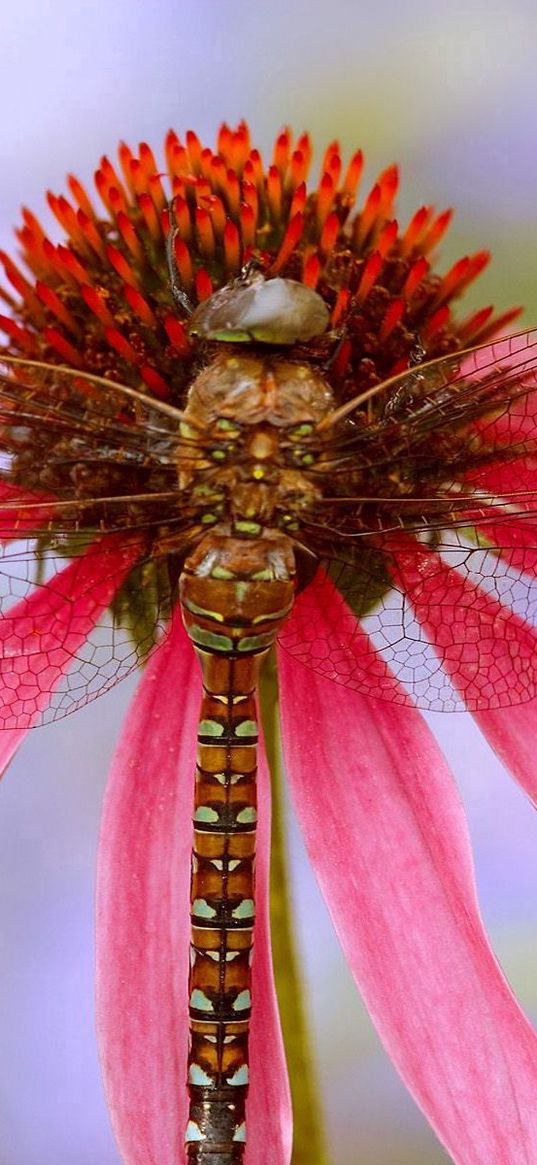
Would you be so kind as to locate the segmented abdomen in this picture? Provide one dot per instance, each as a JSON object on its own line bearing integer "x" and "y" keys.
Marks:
{"x": 232, "y": 623}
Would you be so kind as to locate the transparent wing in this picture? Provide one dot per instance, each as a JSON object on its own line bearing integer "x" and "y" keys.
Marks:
{"x": 67, "y": 436}
{"x": 70, "y": 630}
{"x": 88, "y": 489}
{"x": 428, "y": 588}
{"x": 426, "y": 536}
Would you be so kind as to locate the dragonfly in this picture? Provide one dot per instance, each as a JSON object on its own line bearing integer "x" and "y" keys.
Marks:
{"x": 250, "y": 502}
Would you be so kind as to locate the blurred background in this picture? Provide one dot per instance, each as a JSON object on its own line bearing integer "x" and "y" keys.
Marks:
{"x": 450, "y": 91}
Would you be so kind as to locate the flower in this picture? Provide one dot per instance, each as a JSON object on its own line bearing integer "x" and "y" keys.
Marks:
{"x": 88, "y": 476}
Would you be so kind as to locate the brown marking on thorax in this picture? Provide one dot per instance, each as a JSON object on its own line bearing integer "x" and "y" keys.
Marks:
{"x": 240, "y": 416}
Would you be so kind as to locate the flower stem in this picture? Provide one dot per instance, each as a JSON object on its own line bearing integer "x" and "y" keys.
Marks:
{"x": 308, "y": 1139}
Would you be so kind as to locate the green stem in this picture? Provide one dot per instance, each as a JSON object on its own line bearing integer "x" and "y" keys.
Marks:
{"x": 308, "y": 1140}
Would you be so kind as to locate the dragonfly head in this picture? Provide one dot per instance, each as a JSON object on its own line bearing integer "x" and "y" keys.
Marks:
{"x": 266, "y": 311}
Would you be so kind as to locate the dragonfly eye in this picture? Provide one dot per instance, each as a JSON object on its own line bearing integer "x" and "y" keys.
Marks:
{"x": 269, "y": 311}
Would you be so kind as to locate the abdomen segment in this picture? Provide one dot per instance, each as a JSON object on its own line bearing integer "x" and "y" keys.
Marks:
{"x": 232, "y": 622}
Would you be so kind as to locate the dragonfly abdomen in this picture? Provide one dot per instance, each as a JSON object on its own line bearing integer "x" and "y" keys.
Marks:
{"x": 232, "y": 616}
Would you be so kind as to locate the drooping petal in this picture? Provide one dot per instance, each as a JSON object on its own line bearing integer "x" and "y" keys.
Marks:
{"x": 143, "y": 929}
{"x": 9, "y": 743}
{"x": 487, "y": 651}
{"x": 515, "y": 479}
{"x": 516, "y": 541}
{"x": 508, "y": 363}
{"x": 512, "y": 733}
{"x": 512, "y": 432}
{"x": 322, "y": 631}
{"x": 143, "y": 909}
{"x": 22, "y": 510}
{"x": 40, "y": 634}
{"x": 512, "y": 531}
{"x": 387, "y": 837}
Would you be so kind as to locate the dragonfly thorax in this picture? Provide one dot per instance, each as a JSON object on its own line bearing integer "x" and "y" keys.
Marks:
{"x": 250, "y": 441}
{"x": 251, "y": 388}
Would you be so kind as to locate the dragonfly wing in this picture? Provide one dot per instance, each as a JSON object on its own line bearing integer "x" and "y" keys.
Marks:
{"x": 88, "y": 480}
{"x": 72, "y": 627}
{"x": 428, "y": 586}
{"x": 66, "y": 436}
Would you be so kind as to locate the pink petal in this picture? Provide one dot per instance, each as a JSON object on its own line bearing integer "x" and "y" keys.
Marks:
{"x": 24, "y": 511}
{"x": 512, "y": 733}
{"x": 516, "y": 479}
{"x": 41, "y": 633}
{"x": 513, "y": 533}
{"x": 143, "y": 909}
{"x": 387, "y": 838}
{"x": 516, "y": 356}
{"x": 515, "y": 540}
{"x": 486, "y": 649}
{"x": 143, "y": 930}
{"x": 10, "y": 493}
{"x": 511, "y": 647}
{"x": 9, "y": 744}
{"x": 324, "y": 633}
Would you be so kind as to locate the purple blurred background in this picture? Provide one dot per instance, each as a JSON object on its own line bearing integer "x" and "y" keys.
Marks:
{"x": 449, "y": 92}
